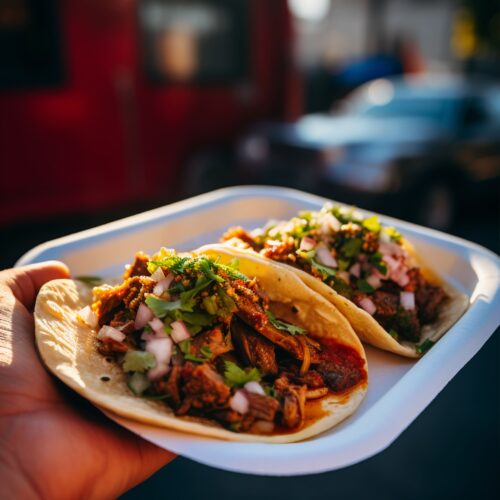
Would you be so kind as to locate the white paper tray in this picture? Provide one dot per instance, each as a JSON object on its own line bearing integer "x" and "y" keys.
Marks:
{"x": 399, "y": 389}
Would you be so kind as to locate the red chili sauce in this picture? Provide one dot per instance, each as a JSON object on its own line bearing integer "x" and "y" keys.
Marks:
{"x": 346, "y": 366}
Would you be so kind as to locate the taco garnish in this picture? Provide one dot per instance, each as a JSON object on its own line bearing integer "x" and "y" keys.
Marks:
{"x": 365, "y": 263}
{"x": 211, "y": 344}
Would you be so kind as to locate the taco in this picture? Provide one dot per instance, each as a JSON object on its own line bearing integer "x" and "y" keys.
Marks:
{"x": 369, "y": 272}
{"x": 202, "y": 344}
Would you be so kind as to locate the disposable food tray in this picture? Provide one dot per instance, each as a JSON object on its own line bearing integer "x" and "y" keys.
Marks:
{"x": 399, "y": 388}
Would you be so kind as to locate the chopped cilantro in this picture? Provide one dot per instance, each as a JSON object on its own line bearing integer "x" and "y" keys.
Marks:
{"x": 270, "y": 391}
{"x": 282, "y": 325}
{"x": 194, "y": 329}
{"x": 207, "y": 267}
{"x": 205, "y": 351}
{"x": 138, "y": 361}
{"x": 351, "y": 248}
{"x": 90, "y": 280}
{"x": 188, "y": 298}
{"x": 394, "y": 234}
{"x": 237, "y": 377}
{"x": 210, "y": 304}
{"x": 424, "y": 346}
{"x": 393, "y": 333}
{"x": 341, "y": 287}
{"x": 376, "y": 260}
{"x": 372, "y": 224}
{"x": 168, "y": 259}
{"x": 324, "y": 270}
{"x": 344, "y": 264}
{"x": 162, "y": 307}
{"x": 228, "y": 304}
{"x": 196, "y": 318}
{"x": 192, "y": 357}
{"x": 364, "y": 286}
{"x": 185, "y": 346}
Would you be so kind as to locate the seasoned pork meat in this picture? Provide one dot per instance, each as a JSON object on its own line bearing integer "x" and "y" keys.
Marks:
{"x": 254, "y": 349}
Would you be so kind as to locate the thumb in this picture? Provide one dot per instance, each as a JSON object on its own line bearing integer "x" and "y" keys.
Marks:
{"x": 24, "y": 282}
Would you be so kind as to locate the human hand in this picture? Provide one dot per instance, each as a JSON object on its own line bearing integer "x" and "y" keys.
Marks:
{"x": 53, "y": 443}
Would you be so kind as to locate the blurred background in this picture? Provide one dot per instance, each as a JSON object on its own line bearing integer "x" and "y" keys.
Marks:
{"x": 112, "y": 107}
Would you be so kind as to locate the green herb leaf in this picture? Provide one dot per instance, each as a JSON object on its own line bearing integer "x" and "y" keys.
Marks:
{"x": 237, "y": 377}
{"x": 138, "y": 361}
{"x": 282, "y": 325}
{"x": 205, "y": 265}
{"x": 228, "y": 305}
{"x": 364, "y": 286}
{"x": 210, "y": 304}
{"x": 188, "y": 298}
{"x": 424, "y": 346}
{"x": 162, "y": 307}
{"x": 172, "y": 262}
{"x": 192, "y": 357}
{"x": 376, "y": 260}
{"x": 372, "y": 224}
{"x": 206, "y": 352}
{"x": 90, "y": 280}
{"x": 344, "y": 264}
{"x": 324, "y": 270}
{"x": 394, "y": 334}
{"x": 231, "y": 268}
{"x": 394, "y": 234}
{"x": 185, "y": 346}
{"x": 194, "y": 329}
{"x": 196, "y": 318}
{"x": 270, "y": 391}
{"x": 351, "y": 248}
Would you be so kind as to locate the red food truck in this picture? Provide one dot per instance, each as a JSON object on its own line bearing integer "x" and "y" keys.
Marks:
{"x": 106, "y": 102}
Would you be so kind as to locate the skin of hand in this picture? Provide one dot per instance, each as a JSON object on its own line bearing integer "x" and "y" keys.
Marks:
{"x": 53, "y": 443}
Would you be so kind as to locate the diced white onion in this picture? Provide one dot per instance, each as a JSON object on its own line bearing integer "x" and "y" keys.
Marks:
{"x": 374, "y": 281}
{"x": 307, "y": 243}
{"x": 143, "y": 317}
{"x": 400, "y": 277}
{"x": 161, "y": 348}
{"x": 391, "y": 249}
{"x": 163, "y": 284}
{"x": 108, "y": 332}
{"x": 325, "y": 257}
{"x": 344, "y": 275}
{"x": 355, "y": 270}
{"x": 384, "y": 237}
{"x": 239, "y": 402}
{"x": 330, "y": 222}
{"x": 157, "y": 325}
{"x": 88, "y": 316}
{"x": 392, "y": 263}
{"x": 407, "y": 300}
{"x": 179, "y": 331}
{"x": 254, "y": 387}
{"x": 263, "y": 427}
{"x": 368, "y": 305}
{"x": 158, "y": 371}
{"x": 158, "y": 274}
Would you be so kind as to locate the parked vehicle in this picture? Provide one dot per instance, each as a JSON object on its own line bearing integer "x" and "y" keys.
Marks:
{"x": 415, "y": 148}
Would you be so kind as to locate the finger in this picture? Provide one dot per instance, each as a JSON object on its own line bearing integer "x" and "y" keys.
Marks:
{"x": 26, "y": 281}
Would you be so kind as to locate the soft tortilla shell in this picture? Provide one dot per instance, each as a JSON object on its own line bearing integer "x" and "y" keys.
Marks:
{"x": 68, "y": 348}
{"x": 366, "y": 327}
